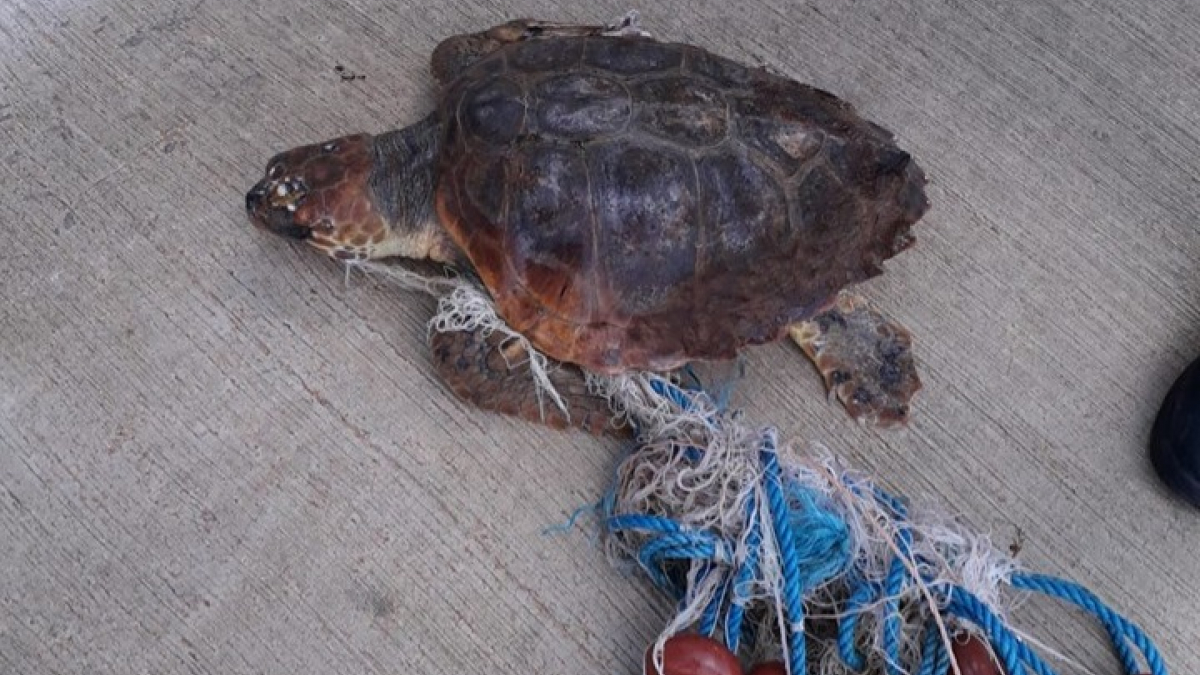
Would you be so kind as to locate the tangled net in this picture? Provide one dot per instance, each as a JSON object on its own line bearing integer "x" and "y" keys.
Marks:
{"x": 783, "y": 551}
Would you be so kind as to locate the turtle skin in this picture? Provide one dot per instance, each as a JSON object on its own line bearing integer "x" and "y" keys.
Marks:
{"x": 635, "y": 204}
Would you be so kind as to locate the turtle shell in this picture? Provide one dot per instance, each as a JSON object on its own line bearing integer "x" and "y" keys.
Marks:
{"x": 632, "y": 204}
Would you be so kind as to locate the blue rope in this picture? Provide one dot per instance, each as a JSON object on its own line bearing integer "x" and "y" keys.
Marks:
{"x": 814, "y": 548}
{"x": 1121, "y": 630}
{"x": 824, "y": 550}
{"x": 896, "y": 579}
{"x": 793, "y": 596}
{"x": 862, "y": 595}
{"x": 744, "y": 577}
{"x": 935, "y": 658}
{"x": 965, "y": 605}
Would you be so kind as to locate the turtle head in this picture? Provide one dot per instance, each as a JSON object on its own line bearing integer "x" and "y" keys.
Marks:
{"x": 321, "y": 194}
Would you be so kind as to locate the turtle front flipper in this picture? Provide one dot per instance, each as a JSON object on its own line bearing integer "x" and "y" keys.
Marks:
{"x": 865, "y": 358}
{"x": 492, "y": 372}
{"x": 455, "y": 54}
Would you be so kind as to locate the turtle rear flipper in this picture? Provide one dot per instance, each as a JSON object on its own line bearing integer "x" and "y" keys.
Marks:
{"x": 865, "y": 358}
{"x": 491, "y": 371}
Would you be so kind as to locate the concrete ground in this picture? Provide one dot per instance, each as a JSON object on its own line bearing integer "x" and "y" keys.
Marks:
{"x": 218, "y": 457}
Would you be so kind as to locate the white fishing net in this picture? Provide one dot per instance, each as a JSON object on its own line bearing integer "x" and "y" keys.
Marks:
{"x": 843, "y": 520}
{"x": 701, "y": 466}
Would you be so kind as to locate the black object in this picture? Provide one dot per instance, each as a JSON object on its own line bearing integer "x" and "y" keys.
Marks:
{"x": 1175, "y": 439}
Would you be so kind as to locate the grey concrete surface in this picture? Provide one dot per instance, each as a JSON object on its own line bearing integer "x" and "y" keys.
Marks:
{"x": 218, "y": 457}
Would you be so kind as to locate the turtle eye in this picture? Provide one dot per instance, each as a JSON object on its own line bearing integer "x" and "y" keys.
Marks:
{"x": 331, "y": 146}
{"x": 275, "y": 171}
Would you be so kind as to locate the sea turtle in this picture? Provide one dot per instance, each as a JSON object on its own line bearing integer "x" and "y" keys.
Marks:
{"x": 628, "y": 204}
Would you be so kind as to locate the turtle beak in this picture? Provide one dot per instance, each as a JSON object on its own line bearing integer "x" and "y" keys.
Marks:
{"x": 271, "y": 217}
{"x": 256, "y": 196}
